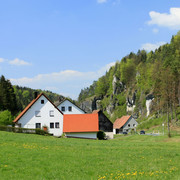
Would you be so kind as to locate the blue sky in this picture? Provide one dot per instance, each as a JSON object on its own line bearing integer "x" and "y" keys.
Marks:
{"x": 64, "y": 45}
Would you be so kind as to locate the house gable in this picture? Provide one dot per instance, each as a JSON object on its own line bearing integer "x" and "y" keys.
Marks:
{"x": 41, "y": 112}
{"x": 67, "y": 107}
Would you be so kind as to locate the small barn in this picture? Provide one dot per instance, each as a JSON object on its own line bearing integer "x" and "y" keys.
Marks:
{"x": 104, "y": 123}
{"x": 86, "y": 125}
{"x": 81, "y": 125}
{"x": 124, "y": 124}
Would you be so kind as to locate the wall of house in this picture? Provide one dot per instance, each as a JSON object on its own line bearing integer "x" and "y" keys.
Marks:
{"x": 104, "y": 123}
{"x": 130, "y": 124}
{"x": 88, "y": 135}
{"x": 29, "y": 119}
{"x": 66, "y": 104}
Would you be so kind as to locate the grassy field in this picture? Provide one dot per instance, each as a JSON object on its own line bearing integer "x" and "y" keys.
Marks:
{"x": 25, "y": 156}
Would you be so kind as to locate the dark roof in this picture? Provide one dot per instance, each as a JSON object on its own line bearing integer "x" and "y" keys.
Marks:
{"x": 30, "y": 104}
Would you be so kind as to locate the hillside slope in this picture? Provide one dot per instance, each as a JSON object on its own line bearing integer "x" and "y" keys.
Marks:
{"x": 142, "y": 84}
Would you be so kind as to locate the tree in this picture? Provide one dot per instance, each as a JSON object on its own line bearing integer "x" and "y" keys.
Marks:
{"x": 6, "y": 118}
{"x": 7, "y": 96}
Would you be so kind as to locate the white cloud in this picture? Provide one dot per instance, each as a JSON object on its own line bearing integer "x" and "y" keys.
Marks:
{"x": 152, "y": 47}
{"x": 101, "y": 1}
{"x": 155, "y": 30}
{"x": 171, "y": 20}
{"x": 19, "y": 62}
{"x": 65, "y": 82}
{"x": 1, "y": 60}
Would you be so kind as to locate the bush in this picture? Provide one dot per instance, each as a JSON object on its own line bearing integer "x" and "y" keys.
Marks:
{"x": 6, "y": 118}
{"x": 23, "y": 130}
{"x": 40, "y": 131}
{"x": 101, "y": 135}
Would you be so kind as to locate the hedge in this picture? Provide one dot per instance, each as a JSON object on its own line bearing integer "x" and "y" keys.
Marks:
{"x": 23, "y": 130}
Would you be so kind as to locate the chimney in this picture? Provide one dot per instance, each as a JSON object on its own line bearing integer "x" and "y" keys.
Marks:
{"x": 35, "y": 94}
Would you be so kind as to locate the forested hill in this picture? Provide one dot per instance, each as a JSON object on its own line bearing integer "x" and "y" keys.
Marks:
{"x": 25, "y": 95}
{"x": 15, "y": 98}
{"x": 142, "y": 84}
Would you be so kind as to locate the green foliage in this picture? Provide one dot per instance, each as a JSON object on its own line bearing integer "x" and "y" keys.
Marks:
{"x": 101, "y": 135}
{"x": 6, "y": 118}
{"x": 119, "y": 112}
{"x": 25, "y": 95}
{"x": 7, "y": 96}
{"x": 102, "y": 86}
{"x": 40, "y": 131}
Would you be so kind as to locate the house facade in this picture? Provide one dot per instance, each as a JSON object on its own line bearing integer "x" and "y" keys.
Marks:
{"x": 67, "y": 107}
{"x": 124, "y": 124}
{"x": 41, "y": 112}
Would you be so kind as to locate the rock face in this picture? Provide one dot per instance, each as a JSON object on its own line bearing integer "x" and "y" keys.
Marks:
{"x": 90, "y": 105}
{"x": 131, "y": 103}
{"x": 118, "y": 86}
{"x": 149, "y": 100}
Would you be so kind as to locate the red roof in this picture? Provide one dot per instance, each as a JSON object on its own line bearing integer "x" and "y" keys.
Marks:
{"x": 30, "y": 104}
{"x": 120, "y": 122}
{"x": 80, "y": 123}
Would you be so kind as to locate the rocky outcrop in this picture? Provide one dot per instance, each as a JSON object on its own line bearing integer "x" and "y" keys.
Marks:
{"x": 90, "y": 105}
{"x": 149, "y": 100}
{"x": 118, "y": 86}
{"x": 131, "y": 103}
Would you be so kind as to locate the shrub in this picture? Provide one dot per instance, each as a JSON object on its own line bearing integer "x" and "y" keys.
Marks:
{"x": 6, "y": 118}
{"x": 101, "y": 135}
{"x": 40, "y": 131}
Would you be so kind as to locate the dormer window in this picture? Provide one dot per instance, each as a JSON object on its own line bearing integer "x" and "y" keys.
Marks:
{"x": 42, "y": 101}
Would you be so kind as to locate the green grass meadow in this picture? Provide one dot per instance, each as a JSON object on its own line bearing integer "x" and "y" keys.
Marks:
{"x": 28, "y": 156}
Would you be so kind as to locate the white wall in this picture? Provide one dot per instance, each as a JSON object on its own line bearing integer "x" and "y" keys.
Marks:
{"x": 132, "y": 122}
{"x": 75, "y": 109}
{"x": 89, "y": 135}
{"x": 29, "y": 120}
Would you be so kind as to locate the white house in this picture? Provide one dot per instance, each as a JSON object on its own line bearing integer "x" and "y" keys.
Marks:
{"x": 67, "y": 107}
{"x": 39, "y": 113}
{"x": 124, "y": 124}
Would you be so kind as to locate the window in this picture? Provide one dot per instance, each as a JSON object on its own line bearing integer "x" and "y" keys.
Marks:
{"x": 51, "y": 113}
{"x": 70, "y": 108}
{"x": 129, "y": 125}
{"x": 42, "y": 101}
{"x": 63, "y": 108}
{"x": 133, "y": 125}
{"x": 38, "y": 113}
{"x": 38, "y": 125}
{"x": 57, "y": 125}
{"x": 51, "y": 125}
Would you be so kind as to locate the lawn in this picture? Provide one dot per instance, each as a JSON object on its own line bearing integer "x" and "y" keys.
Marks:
{"x": 27, "y": 156}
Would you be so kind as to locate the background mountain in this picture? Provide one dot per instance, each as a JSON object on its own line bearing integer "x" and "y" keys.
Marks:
{"x": 145, "y": 85}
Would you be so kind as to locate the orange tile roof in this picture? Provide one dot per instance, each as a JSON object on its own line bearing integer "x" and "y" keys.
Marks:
{"x": 80, "y": 123}
{"x": 30, "y": 104}
{"x": 120, "y": 122}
